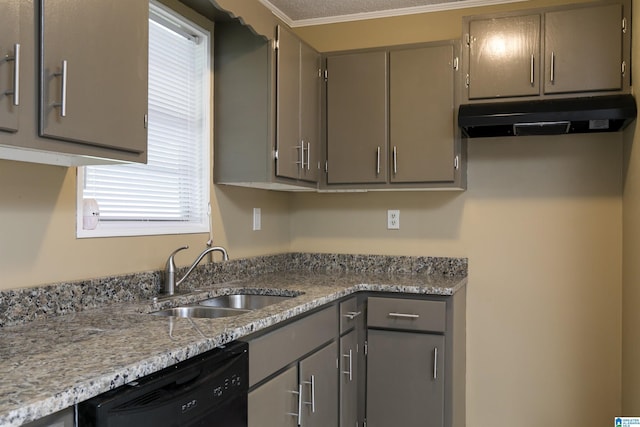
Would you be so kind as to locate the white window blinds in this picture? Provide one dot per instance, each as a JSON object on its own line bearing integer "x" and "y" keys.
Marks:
{"x": 172, "y": 190}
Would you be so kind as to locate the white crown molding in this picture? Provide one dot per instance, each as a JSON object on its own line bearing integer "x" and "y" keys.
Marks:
{"x": 462, "y": 4}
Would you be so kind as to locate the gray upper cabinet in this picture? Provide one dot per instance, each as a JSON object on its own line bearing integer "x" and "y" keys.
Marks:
{"x": 9, "y": 64}
{"x": 357, "y": 118}
{"x": 102, "y": 49}
{"x": 267, "y": 109}
{"x": 298, "y": 108}
{"x": 564, "y": 51}
{"x": 583, "y": 49}
{"x": 504, "y": 54}
{"x": 391, "y": 118}
{"x": 93, "y": 72}
{"x": 422, "y": 139}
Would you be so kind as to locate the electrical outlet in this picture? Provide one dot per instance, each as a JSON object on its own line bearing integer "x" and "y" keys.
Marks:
{"x": 257, "y": 219}
{"x": 393, "y": 219}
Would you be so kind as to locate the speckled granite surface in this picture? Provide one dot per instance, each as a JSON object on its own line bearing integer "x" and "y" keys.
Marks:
{"x": 55, "y": 362}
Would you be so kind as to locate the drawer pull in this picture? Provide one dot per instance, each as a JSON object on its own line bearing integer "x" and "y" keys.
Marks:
{"x": 352, "y": 314}
{"x": 435, "y": 363}
{"x": 404, "y": 315}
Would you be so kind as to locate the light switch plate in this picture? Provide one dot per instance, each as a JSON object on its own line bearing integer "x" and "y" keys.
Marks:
{"x": 257, "y": 219}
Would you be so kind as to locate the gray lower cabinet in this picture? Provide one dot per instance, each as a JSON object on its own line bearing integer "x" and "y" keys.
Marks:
{"x": 9, "y": 64}
{"x": 405, "y": 379}
{"x": 416, "y": 361}
{"x": 275, "y": 403}
{"x": 349, "y": 377}
{"x": 319, "y": 386}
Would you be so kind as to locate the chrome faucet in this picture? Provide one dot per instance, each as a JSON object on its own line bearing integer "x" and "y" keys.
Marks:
{"x": 170, "y": 283}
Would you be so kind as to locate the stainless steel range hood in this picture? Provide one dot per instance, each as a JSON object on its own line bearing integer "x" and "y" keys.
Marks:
{"x": 547, "y": 117}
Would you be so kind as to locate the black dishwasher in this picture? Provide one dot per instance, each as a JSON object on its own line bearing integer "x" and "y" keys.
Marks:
{"x": 208, "y": 390}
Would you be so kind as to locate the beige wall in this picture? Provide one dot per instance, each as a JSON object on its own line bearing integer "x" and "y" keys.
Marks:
{"x": 631, "y": 260}
{"x": 541, "y": 223}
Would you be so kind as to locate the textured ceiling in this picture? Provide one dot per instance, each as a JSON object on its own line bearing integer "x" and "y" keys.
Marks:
{"x": 310, "y": 12}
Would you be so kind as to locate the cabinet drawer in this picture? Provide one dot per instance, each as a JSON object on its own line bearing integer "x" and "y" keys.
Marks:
{"x": 408, "y": 314}
{"x": 350, "y": 313}
{"x": 278, "y": 348}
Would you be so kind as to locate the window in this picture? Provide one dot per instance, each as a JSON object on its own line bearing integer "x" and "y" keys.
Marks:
{"x": 170, "y": 194}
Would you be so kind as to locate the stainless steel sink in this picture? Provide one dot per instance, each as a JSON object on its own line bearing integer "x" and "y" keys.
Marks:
{"x": 200, "y": 311}
{"x": 244, "y": 301}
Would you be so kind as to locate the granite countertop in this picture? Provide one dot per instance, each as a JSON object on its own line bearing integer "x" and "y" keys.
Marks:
{"x": 48, "y": 365}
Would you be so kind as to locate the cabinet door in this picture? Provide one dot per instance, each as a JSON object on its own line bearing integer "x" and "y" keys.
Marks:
{"x": 349, "y": 379}
{"x": 290, "y": 150}
{"x": 357, "y": 118}
{"x": 319, "y": 381}
{"x": 275, "y": 403}
{"x": 94, "y": 64}
{"x": 9, "y": 65}
{"x": 504, "y": 57}
{"x": 583, "y": 49}
{"x": 405, "y": 384}
{"x": 310, "y": 111}
{"x": 422, "y": 114}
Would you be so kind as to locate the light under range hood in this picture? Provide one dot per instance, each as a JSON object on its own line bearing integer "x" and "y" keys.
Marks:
{"x": 547, "y": 117}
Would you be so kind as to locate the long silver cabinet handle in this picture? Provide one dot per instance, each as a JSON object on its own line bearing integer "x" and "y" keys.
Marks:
{"x": 378, "y": 161}
{"x": 395, "y": 160}
{"x": 308, "y": 155}
{"x": 553, "y": 67}
{"x": 16, "y": 74}
{"x": 404, "y": 315}
{"x": 63, "y": 89}
{"x": 312, "y": 383}
{"x": 299, "y": 414}
{"x": 302, "y": 156}
{"x": 352, "y": 314}
{"x": 350, "y": 371}
{"x": 532, "y": 71}
{"x": 435, "y": 363}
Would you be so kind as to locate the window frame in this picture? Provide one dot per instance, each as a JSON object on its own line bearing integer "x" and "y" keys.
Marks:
{"x": 151, "y": 228}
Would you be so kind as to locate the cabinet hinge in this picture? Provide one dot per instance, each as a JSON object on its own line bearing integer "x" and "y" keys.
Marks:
{"x": 456, "y": 162}
{"x": 466, "y": 80}
{"x": 364, "y": 423}
{"x": 624, "y": 67}
{"x": 276, "y": 44}
{"x": 275, "y": 154}
{"x": 326, "y": 166}
{"x": 366, "y": 352}
{"x": 146, "y": 121}
{"x": 467, "y": 39}
{"x": 456, "y": 63}
{"x": 320, "y": 74}
{"x": 326, "y": 75}
{"x": 624, "y": 25}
